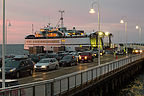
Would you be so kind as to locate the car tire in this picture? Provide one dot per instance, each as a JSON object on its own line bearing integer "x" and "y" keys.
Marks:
{"x": 56, "y": 67}
{"x": 31, "y": 72}
{"x": 47, "y": 69}
{"x": 91, "y": 60}
{"x": 75, "y": 63}
{"x": 78, "y": 61}
{"x": 18, "y": 75}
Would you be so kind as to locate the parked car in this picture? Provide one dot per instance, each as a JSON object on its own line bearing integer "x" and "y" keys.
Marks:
{"x": 68, "y": 60}
{"x": 34, "y": 58}
{"x": 52, "y": 55}
{"x": 61, "y": 55}
{"x": 10, "y": 83}
{"x": 46, "y": 64}
{"x": 17, "y": 68}
{"x": 86, "y": 56}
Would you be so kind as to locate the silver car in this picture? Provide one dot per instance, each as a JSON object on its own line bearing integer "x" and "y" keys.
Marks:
{"x": 46, "y": 64}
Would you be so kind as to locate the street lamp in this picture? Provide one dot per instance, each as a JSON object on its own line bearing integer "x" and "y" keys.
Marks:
{"x": 93, "y": 11}
{"x": 3, "y": 48}
{"x": 125, "y": 21}
{"x": 7, "y": 24}
{"x": 140, "y": 30}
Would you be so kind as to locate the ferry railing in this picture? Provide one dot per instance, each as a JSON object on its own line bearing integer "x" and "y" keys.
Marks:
{"x": 68, "y": 82}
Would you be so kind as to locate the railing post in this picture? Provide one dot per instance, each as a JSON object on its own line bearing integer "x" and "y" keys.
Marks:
{"x": 68, "y": 84}
{"x": 33, "y": 90}
{"x": 52, "y": 88}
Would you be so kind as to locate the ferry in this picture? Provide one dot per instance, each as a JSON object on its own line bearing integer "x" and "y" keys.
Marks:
{"x": 54, "y": 38}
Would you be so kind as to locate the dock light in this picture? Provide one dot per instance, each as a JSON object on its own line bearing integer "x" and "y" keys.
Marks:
{"x": 107, "y": 33}
{"x": 121, "y": 21}
{"x": 124, "y": 20}
{"x": 92, "y": 11}
{"x": 137, "y": 27}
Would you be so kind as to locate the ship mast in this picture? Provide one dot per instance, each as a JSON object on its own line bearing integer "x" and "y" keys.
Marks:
{"x": 32, "y": 29}
{"x": 61, "y": 19}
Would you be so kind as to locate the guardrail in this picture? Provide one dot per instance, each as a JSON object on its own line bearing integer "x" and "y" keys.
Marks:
{"x": 65, "y": 83}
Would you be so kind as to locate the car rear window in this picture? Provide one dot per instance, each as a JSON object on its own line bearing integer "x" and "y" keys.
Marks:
{"x": 85, "y": 53}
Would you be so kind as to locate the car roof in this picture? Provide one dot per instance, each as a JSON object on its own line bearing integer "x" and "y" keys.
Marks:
{"x": 47, "y": 58}
{"x": 9, "y": 80}
{"x": 20, "y": 57}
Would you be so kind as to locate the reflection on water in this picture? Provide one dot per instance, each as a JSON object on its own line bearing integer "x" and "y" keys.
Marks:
{"x": 135, "y": 88}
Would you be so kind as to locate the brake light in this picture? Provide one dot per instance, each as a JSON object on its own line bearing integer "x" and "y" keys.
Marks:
{"x": 85, "y": 57}
{"x": 80, "y": 57}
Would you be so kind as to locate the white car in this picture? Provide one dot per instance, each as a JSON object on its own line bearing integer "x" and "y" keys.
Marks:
{"x": 46, "y": 64}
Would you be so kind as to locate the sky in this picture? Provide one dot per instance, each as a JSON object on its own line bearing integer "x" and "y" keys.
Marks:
{"x": 23, "y": 13}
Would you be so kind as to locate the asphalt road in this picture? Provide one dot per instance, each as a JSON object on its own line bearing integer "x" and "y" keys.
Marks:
{"x": 39, "y": 76}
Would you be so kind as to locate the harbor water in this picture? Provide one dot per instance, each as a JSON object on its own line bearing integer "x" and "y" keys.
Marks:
{"x": 14, "y": 49}
{"x": 134, "y": 88}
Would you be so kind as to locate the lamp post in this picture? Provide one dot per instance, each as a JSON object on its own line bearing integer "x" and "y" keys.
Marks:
{"x": 140, "y": 30}
{"x": 92, "y": 11}
{"x": 3, "y": 48}
{"x": 7, "y": 24}
{"x": 125, "y": 21}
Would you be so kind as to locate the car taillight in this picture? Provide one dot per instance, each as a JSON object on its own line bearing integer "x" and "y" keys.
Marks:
{"x": 80, "y": 57}
{"x": 85, "y": 57}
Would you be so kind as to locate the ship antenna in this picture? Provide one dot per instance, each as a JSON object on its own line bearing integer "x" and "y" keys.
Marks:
{"x": 61, "y": 19}
{"x": 32, "y": 29}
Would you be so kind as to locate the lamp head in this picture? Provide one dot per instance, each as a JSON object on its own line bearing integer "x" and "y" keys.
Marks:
{"x": 137, "y": 27}
{"x": 9, "y": 24}
{"x": 121, "y": 21}
{"x": 92, "y": 11}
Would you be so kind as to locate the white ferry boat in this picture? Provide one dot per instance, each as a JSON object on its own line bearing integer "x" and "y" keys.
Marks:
{"x": 53, "y": 38}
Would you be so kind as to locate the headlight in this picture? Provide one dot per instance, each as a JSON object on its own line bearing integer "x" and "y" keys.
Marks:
{"x": 85, "y": 57}
{"x": 0, "y": 70}
{"x": 12, "y": 69}
{"x": 94, "y": 54}
{"x": 43, "y": 66}
{"x": 35, "y": 66}
{"x": 100, "y": 53}
{"x": 141, "y": 51}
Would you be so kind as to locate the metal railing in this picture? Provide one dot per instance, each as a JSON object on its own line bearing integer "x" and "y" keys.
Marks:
{"x": 65, "y": 83}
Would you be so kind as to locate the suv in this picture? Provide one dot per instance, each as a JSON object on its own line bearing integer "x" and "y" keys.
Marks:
{"x": 17, "y": 68}
{"x": 85, "y": 56}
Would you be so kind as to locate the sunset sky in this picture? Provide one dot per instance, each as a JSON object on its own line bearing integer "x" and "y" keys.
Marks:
{"x": 23, "y": 13}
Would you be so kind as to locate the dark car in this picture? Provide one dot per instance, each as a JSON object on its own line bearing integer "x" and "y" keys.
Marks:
{"x": 53, "y": 55}
{"x": 61, "y": 55}
{"x": 68, "y": 60}
{"x": 17, "y": 68}
{"x": 86, "y": 56}
{"x": 34, "y": 58}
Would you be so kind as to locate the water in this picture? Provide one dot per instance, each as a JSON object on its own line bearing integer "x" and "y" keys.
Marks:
{"x": 15, "y": 49}
{"x": 135, "y": 88}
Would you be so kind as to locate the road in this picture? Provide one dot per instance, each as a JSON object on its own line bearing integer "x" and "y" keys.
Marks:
{"x": 39, "y": 76}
